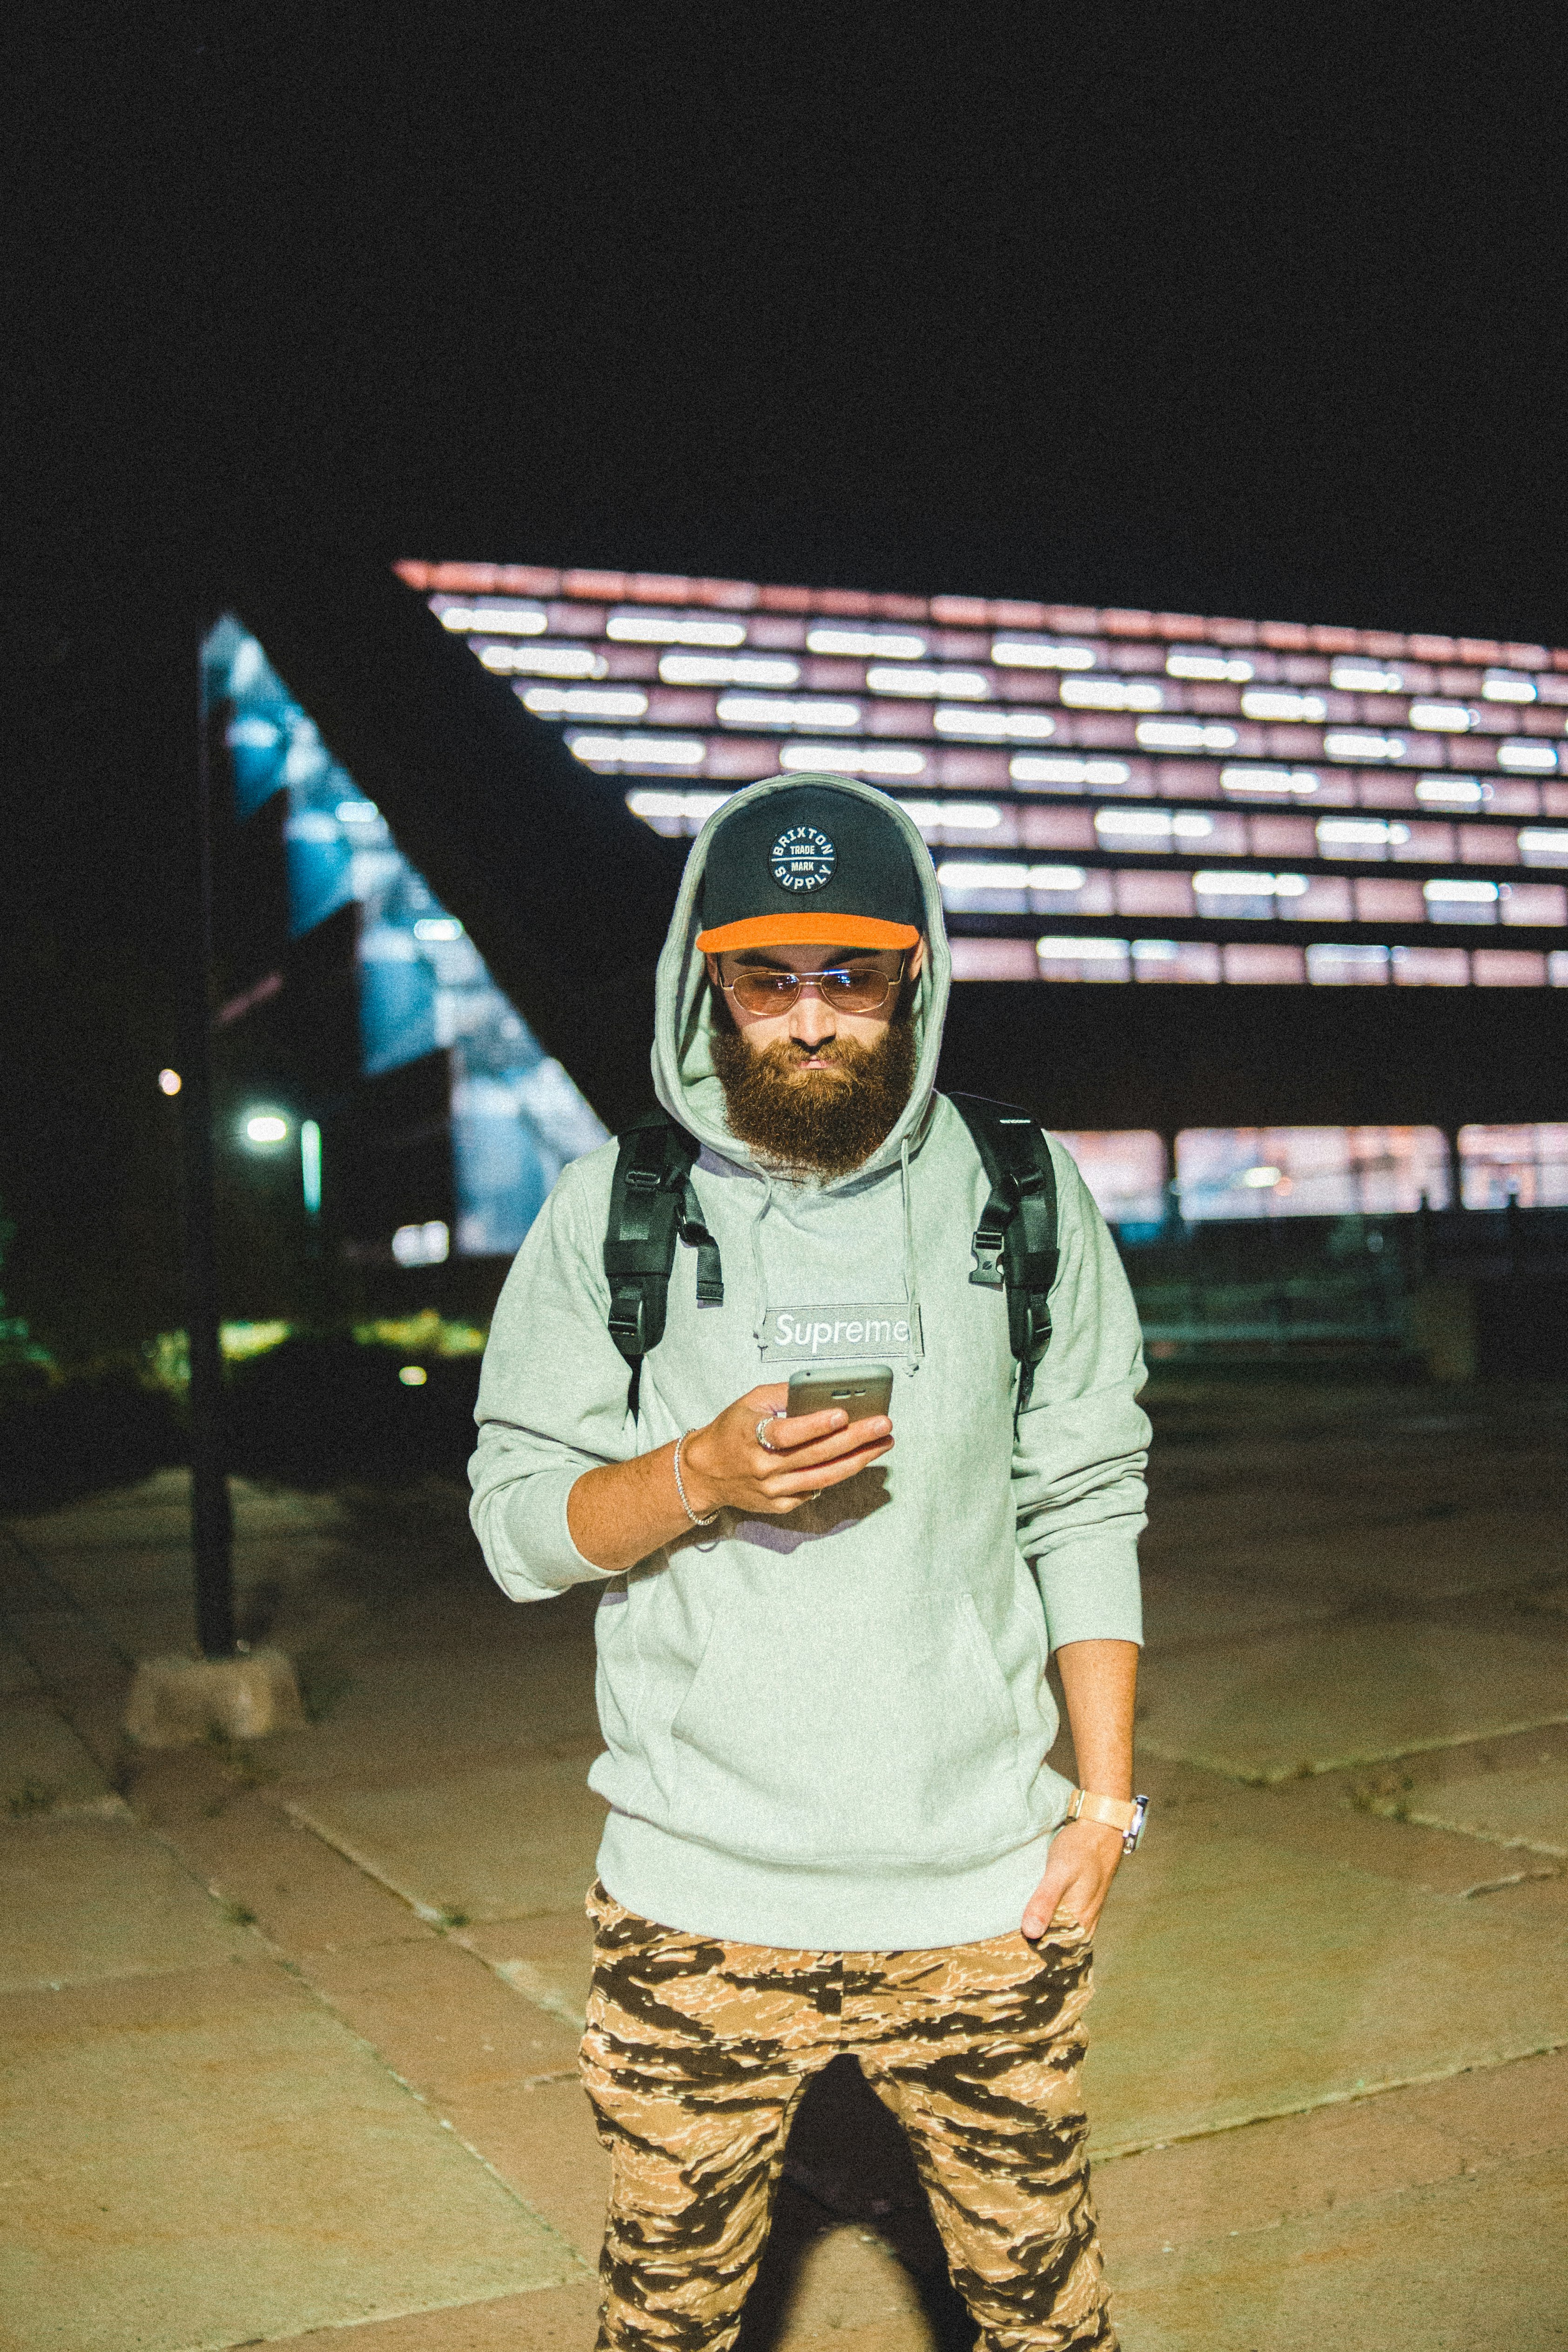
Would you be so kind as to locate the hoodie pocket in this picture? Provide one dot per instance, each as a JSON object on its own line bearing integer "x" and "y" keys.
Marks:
{"x": 850, "y": 1737}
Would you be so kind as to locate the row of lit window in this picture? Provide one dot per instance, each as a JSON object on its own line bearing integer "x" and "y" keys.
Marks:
{"x": 1331, "y": 964}
{"x": 646, "y": 752}
{"x": 1223, "y": 833}
{"x": 917, "y": 682}
{"x": 1234, "y": 893}
{"x": 736, "y": 760}
{"x": 1227, "y": 1173}
{"x": 965, "y": 723}
{"x": 592, "y": 591}
{"x": 1065, "y": 656}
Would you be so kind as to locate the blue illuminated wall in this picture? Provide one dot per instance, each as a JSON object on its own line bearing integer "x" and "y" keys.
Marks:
{"x": 517, "y": 1117}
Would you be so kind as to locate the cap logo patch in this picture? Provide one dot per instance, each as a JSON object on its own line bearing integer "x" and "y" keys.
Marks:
{"x": 803, "y": 858}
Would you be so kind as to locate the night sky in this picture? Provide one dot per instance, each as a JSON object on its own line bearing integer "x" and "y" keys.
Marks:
{"x": 1209, "y": 309}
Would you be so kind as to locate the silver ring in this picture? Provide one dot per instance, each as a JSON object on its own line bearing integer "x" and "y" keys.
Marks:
{"x": 760, "y": 1427}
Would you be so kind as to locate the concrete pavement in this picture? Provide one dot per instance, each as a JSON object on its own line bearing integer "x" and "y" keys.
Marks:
{"x": 291, "y": 2029}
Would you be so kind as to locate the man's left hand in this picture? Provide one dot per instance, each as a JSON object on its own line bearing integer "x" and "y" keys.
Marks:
{"x": 1082, "y": 1863}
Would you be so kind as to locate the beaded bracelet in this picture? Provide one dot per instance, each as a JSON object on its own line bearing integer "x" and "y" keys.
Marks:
{"x": 697, "y": 1521}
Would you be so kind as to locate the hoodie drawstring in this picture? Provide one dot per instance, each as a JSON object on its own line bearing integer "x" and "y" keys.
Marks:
{"x": 912, "y": 1363}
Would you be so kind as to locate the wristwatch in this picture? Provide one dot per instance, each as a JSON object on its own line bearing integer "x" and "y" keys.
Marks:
{"x": 1116, "y": 1813}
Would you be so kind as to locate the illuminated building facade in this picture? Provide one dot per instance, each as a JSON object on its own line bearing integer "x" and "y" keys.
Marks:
{"x": 492, "y": 1119}
{"x": 1117, "y": 797}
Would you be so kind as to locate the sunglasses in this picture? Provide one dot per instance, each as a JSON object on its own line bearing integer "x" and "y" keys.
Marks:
{"x": 760, "y": 989}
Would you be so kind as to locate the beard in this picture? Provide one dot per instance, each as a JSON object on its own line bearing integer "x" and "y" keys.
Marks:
{"x": 815, "y": 1122}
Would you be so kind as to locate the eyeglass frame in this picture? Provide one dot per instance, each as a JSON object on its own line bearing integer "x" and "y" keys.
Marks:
{"x": 807, "y": 979}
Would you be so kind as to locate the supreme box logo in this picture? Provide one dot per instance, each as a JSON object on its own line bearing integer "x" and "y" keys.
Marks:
{"x": 805, "y": 1335}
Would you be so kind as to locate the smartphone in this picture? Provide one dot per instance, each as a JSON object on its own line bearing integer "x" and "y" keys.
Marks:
{"x": 859, "y": 1389}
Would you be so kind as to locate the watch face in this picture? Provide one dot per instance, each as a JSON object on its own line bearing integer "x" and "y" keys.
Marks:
{"x": 802, "y": 858}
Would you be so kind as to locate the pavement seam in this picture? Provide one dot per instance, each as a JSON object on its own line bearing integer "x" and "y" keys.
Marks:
{"x": 1330, "y": 2099}
{"x": 296, "y": 1971}
{"x": 1313, "y": 1769}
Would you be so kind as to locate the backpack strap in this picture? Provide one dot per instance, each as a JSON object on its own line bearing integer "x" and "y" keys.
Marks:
{"x": 653, "y": 1201}
{"x": 1015, "y": 1242}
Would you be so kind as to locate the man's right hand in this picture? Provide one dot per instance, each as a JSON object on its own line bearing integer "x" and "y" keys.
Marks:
{"x": 622, "y": 1513}
{"x": 727, "y": 1466}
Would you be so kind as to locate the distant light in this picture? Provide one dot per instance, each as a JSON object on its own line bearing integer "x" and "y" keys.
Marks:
{"x": 1027, "y": 770}
{"x": 1040, "y": 653}
{"x": 1451, "y": 792}
{"x": 412, "y": 1376}
{"x": 1250, "y": 886}
{"x": 310, "y": 1165}
{"x": 1543, "y": 841}
{"x": 1470, "y": 893}
{"x": 265, "y": 1129}
{"x": 642, "y": 750}
{"x": 665, "y": 629}
{"x": 1365, "y": 678}
{"x": 252, "y": 735}
{"x": 779, "y": 710}
{"x": 866, "y": 644}
{"x": 585, "y": 701}
{"x": 1350, "y": 743}
{"x": 1528, "y": 758}
{"x": 692, "y": 807}
{"x": 852, "y": 759}
{"x": 728, "y": 669}
{"x": 543, "y": 661}
{"x": 436, "y": 928}
{"x": 1259, "y": 1180}
{"x": 1106, "y": 950}
{"x": 1507, "y": 685}
{"x": 170, "y": 1081}
{"x": 1151, "y": 825}
{"x": 994, "y": 726}
{"x": 357, "y": 812}
{"x": 1297, "y": 781}
{"x": 966, "y": 684}
{"x": 426, "y": 1244}
{"x": 1184, "y": 735}
{"x": 1112, "y": 694}
{"x": 1229, "y": 668}
{"x": 954, "y": 875}
{"x": 975, "y": 817}
{"x": 1368, "y": 830}
{"x": 496, "y": 619}
{"x": 1264, "y": 703}
{"x": 1441, "y": 718}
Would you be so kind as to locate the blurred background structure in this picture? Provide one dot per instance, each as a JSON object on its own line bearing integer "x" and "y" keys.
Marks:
{"x": 1267, "y": 920}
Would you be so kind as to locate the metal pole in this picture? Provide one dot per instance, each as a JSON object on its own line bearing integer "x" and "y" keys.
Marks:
{"x": 212, "y": 1524}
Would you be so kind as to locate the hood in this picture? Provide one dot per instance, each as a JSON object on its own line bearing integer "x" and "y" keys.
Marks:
{"x": 683, "y": 1075}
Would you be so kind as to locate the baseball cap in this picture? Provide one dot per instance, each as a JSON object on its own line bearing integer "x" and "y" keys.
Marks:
{"x": 814, "y": 865}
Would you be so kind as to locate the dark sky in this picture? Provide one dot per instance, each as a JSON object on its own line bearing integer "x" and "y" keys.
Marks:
{"x": 1240, "y": 308}
{"x": 1210, "y": 307}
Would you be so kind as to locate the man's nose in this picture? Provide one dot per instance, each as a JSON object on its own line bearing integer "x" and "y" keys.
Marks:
{"x": 811, "y": 1021}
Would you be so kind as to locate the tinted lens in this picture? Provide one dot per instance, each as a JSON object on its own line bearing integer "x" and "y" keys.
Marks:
{"x": 855, "y": 991}
{"x": 765, "y": 991}
{"x": 775, "y": 992}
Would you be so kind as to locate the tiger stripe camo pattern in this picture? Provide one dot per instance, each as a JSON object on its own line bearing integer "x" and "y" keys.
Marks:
{"x": 698, "y": 2051}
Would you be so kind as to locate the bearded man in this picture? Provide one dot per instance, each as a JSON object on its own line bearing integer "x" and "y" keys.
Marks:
{"x": 822, "y": 1642}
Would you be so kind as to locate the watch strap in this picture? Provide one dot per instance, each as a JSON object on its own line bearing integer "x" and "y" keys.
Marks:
{"x": 1124, "y": 1814}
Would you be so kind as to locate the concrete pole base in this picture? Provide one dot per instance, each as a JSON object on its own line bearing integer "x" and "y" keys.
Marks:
{"x": 175, "y": 1701}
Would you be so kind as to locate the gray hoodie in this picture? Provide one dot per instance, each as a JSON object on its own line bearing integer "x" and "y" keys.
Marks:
{"x": 827, "y": 1731}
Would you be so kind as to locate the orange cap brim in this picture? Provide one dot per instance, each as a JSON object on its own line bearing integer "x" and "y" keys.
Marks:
{"x": 821, "y": 930}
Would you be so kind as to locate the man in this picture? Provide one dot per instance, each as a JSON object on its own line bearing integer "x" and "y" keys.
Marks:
{"x": 822, "y": 1644}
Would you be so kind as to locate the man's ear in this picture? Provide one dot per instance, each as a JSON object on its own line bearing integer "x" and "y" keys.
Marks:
{"x": 916, "y": 958}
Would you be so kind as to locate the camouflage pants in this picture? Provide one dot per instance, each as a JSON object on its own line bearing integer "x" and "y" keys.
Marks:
{"x": 697, "y": 2051}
